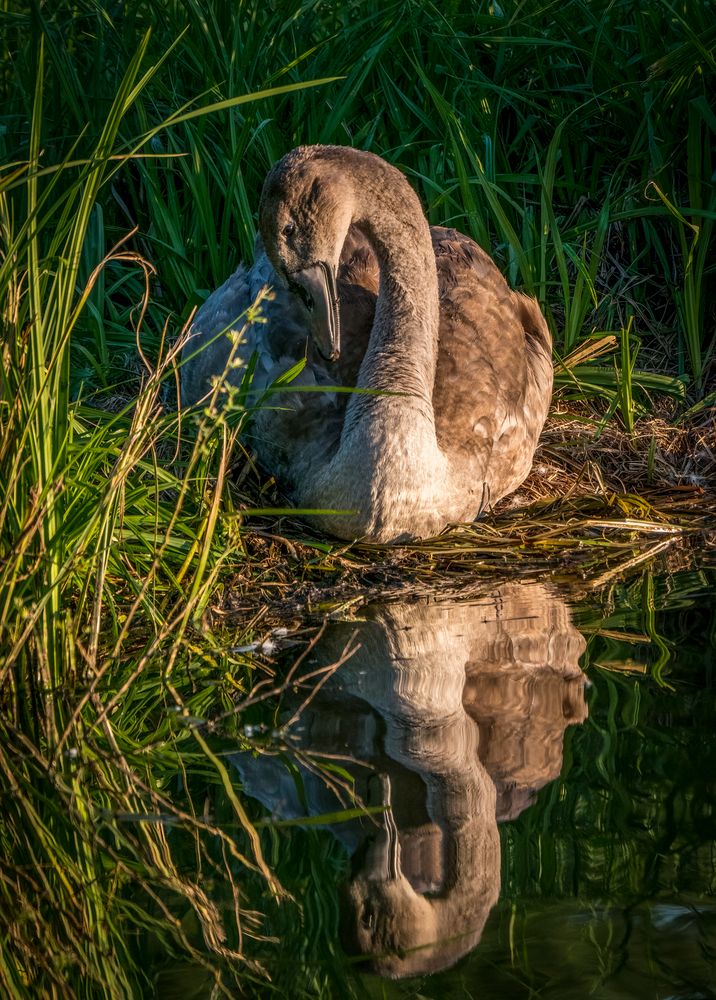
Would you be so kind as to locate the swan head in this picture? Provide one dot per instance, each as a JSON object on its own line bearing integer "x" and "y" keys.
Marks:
{"x": 305, "y": 211}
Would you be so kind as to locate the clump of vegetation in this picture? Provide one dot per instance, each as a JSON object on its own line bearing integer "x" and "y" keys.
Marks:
{"x": 574, "y": 142}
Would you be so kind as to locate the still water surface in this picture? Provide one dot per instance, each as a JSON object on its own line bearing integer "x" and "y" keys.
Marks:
{"x": 538, "y": 778}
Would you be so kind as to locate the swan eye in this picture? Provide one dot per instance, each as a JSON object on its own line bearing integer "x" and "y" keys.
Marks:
{"x": 289, "y": 229}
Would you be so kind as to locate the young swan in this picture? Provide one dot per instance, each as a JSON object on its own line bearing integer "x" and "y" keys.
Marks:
{"x": 457, "y": 366}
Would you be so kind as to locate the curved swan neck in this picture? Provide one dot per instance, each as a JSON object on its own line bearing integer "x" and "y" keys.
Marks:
{"x": 388, "y": 211}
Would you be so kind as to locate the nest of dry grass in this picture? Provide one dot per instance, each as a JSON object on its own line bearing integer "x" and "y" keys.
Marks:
{"x": 599, "y": 506}
{"x": 579, "y": 456}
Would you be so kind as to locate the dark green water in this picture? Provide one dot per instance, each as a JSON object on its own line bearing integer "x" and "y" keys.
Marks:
{"x": 540, "y": 776}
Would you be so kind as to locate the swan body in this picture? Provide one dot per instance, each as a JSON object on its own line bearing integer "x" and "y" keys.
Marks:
{"x": 454, "y": 367}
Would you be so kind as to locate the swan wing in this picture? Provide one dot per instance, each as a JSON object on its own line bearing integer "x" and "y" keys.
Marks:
{"x": 276, "y": 331}
{"x": 494, "y": 374}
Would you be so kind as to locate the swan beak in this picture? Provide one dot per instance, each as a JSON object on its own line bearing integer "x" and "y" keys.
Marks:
{"x": 317, "y": 287}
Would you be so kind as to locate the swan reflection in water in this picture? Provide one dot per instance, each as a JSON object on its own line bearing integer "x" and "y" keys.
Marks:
{"x": 451, "y": 717}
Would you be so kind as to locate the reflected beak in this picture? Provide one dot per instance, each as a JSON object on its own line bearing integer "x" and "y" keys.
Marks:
{"x": 382, "y": 857}
{"x": 316, "y": 285}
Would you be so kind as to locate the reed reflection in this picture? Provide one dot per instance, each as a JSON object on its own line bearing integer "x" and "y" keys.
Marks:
{"x": 449, "y": 716}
